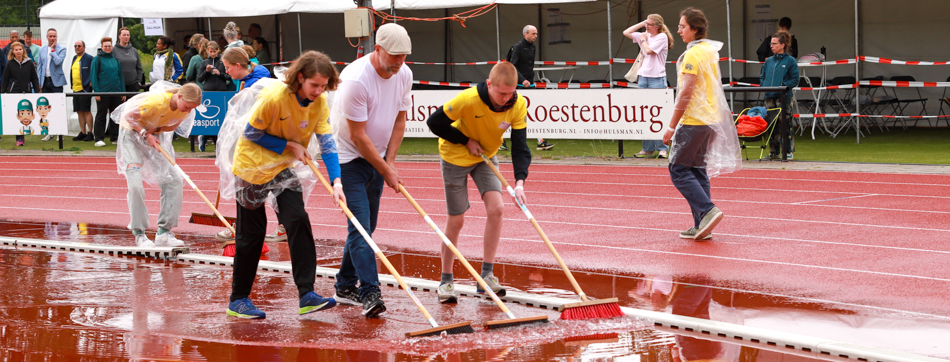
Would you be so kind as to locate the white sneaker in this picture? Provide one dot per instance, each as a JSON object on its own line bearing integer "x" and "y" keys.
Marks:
{"x": 447, "y": 293}
{"x": 278, "y": 235}
{"x": 47, "y": 138}
{"x": 168, "y": 239}
{"x": 664, "y": 154}
{"x": 493, "y": 283}
{"x": 142, "y": 241}
{"x": 100, "y": 144}
{"x": 224, "y": 235}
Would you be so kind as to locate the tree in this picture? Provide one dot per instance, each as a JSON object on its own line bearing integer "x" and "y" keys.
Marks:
{"x": 17, "y": 12}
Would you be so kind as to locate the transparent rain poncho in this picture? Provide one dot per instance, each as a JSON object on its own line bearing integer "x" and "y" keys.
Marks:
{"x": 296, "y": 175}
{"x": 149, "y": 111}
{"x": 715, "y": 144}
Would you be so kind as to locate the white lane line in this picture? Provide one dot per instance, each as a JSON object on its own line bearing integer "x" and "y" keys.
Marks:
{"x": 834, "y": 199}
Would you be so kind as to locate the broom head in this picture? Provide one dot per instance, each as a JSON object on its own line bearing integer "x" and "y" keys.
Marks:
{"x": 457, "y": 328}
{"x": 591, "y": 339}
{"x": 205, "y": 219}
{"x": 592, "y": 309}
{"x": 516, "y": 322}
{"x": 230, "y": 249}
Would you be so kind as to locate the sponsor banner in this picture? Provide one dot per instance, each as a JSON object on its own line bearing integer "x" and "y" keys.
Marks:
{"x": 37, "y": 114}
{"x": 208, "y": 123}
{"x": 615, "y": 114}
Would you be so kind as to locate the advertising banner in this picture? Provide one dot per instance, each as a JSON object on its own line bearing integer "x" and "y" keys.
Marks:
{"x": 611, "y": 114}
{"x": 208, "y": 123}
{"x": 37, "y": 114}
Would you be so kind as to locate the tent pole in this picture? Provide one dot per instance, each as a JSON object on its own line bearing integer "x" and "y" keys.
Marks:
{"x": 299, "y": 36}
{"x": 729, "y": 38}
{"x": 392, "y": 9}
{"x": 610, "y": 48}
{"x": 497, "y": 33}
{"x": 210, "y": 38}
{"x": 857, "y": 75}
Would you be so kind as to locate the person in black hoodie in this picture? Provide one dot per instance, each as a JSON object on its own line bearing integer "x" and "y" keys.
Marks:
{"x": 212, "y": 72}
{"x": 19, "y": 75}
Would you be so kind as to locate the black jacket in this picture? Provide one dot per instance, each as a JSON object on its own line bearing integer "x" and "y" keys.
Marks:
{"x": 215, "y": 83}
{"x": 18, "y": 77}
{"x": 84, "y": 65}
{"x": 522, "y": 57}
{"x": 765, "y": 49}
{"x": 187, "y": 57}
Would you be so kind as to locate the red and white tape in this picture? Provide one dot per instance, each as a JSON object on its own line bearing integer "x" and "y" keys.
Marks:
{"x": 900, "y": 62}
{"x": 904, "y": 84}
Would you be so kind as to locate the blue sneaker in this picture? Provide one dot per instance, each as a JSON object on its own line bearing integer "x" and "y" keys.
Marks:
{"x": 201, "y": 143}
{"x": 313, "y": 302}
{"x": 243, "y": 308}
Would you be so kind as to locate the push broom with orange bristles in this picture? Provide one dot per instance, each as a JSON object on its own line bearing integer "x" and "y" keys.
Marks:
{"x": 228, "y": 247}
{"x": 586, "y": 309}
{"x": 511, "y": 321}
{"x": 457, "y": 328}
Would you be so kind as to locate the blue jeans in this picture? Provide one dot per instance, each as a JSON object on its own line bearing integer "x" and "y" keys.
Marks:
{"x": 693, "y": 184}
{"x": 363, "y": 187}
{"x": 653, "y": 83}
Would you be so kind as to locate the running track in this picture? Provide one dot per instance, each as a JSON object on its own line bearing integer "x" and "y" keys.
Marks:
{"x": 860, "y": 239}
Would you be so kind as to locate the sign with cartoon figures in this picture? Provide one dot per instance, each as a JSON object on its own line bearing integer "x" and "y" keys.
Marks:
{"x": 39, "y": 114}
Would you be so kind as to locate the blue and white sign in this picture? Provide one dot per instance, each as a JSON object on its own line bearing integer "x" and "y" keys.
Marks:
{"x": 208, "y": 122}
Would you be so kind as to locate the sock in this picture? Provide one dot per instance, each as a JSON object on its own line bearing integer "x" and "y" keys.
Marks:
{"x": 486, "y": 269}
{"x": 138, "y": 232}
{"x": 161, "y": 231}
{"x": 446, "y": 278}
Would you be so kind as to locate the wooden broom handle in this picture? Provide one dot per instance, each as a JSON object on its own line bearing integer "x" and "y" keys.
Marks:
{"x": 183, "y": 174}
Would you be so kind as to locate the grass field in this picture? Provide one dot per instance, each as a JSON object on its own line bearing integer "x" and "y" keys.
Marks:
{"x": 915, "y": 145}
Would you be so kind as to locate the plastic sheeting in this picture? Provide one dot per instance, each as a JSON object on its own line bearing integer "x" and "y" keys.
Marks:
{"x": 714, "y": 145}
{"x": 133, "y": 149}
{"x": 240, "y": 108}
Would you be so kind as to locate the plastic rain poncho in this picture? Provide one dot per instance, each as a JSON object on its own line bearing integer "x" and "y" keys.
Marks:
{"x": 291, "y": 174}
{"x": 150, "y": 111}
{"x": 716, "y": 148}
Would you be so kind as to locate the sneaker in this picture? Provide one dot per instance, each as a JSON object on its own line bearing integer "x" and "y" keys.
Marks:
{"x": 19, "y": 142}
{"x": 243, "y": 308}
{"x": 544, "y": 146}
{"x": 492, "y": 282}
{"x": 224, "y": 235}
{"x": 142, "y": 241}
{"x": 447, "y": 293}
{"x": 100, "y": 143}
{"x": 349, "y": 296}
{"x": 373, "y": 305}
{"x": 643, "y": 154}
{"x": 789, "y": 156}
{"x": 201, "y": 143}
{"x": 47, "y": 138}
{"x": 278, "y": 235}
{"x": 504, "y": 146}
{"x": 90, "y": 137}
{"x": 168, "y": 239}
{"x": 80, "y": 137}
{"x": 313, "y": 302}
{"x": 691, "y": 234}
{"x": 664, "y": 154}
{"x": 709, "y": 221}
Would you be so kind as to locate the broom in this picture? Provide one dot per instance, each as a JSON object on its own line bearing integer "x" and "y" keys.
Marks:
{"x": 457, "y": 328}
{"x": 211, "y": 219}
{"x": 511, "y": 321}
{"x": 229, "y": 245}
{"x": 586, "y": 309}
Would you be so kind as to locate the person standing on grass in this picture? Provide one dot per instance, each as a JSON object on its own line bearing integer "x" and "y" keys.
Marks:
{"x": 279, "y": 127}
{"x": 50, "y": 67}
{"x": 655, "y": 43}
{"x": 780, "y": 69}
{"x": 19, "y": 76}
{"x": 471, "y": 124}
{"x": 81, "y": 83}
{"x": 106, "y": 76}
{"x": 146, "y": 121}
{"x": 521, "y": 55}
{"x": 166, "y": 65}
{"x": 702, "y": 137}
{"x": 369, "y": 121}
{"x": 128, "y": 58}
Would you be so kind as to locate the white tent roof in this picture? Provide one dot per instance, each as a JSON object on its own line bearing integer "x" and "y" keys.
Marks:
{"x": 442, "y": 4}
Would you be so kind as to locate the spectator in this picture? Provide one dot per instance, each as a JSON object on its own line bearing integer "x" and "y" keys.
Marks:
{"x": 192, "y": 48}
{"x": 521, "y": 56}
{"x": 30, "y": 47}
{"x": 238, "y": 65}
{"x": 194, "y": 64}
{"x": 128, "y": 58}
{"x": 705, "y": 143}
{"x": 106, "y": 76}
{"x": 780, "y": 70}
{"x": 212, "y": 73}
{"x": 19, "y": 76}
{"x": 81, "y": 83}
{"x": 765, "y": 49}
{"x": 50, "y": 65}
{"x": 222, "y": 42}
{"x": 263, "y": 55}
{"x": 166, "y": 64}
{"x": 231, "y": 35}
{"x": 655, "y": 43}
{"x": 251, "y": 54}
{"x": 14, "y": 38}
{"x": 254, "y": 31}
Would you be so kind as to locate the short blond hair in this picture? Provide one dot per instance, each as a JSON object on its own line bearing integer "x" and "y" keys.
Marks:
{"x": 503, "y": 73}
{"x": 190, "y": 92}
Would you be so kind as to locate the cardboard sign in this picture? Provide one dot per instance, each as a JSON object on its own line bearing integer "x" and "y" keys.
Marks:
{"x": 38, "y": 114}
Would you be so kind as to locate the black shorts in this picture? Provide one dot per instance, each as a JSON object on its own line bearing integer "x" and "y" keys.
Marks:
{"x": 82, "y": 104}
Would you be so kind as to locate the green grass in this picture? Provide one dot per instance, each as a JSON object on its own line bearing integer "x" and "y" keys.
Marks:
{"x": 915, "y": 145}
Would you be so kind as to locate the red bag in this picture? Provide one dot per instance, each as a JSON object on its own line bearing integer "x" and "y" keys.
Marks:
{"x": 750, "y": 126}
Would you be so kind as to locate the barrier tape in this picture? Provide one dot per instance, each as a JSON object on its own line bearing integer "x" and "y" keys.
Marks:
{"x": 900, "y": 62}
{"x": 904, "y": 84}
{"x": 836, "y": 115}
{"x": 468, "y": 63}
{"x": 842, "y": 86}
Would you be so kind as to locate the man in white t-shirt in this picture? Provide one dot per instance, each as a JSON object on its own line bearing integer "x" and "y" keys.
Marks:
{"x": 368, "y": 121}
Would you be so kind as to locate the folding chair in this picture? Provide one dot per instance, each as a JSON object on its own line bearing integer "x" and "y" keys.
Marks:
{"x": 771, "y": 117}
{"x": 944, "y": 101}
{"x": 903, "y": 103}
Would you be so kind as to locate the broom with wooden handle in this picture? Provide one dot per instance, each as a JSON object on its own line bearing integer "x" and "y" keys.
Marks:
{"x": 511, "y": 321}
{"x": 457, "y": 328}
{"x": 586, "y": 309}
{"x": 228, "y": 246}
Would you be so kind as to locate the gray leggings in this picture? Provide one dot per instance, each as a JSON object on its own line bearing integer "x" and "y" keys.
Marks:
{"x": 171, "y": 201}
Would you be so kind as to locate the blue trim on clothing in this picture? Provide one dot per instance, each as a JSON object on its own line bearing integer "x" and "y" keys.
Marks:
{"x": 273, "y": 143}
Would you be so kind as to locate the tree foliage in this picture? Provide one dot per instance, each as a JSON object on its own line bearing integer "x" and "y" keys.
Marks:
{"x": 146, "y": 44}
{"x": 15, "y": 12}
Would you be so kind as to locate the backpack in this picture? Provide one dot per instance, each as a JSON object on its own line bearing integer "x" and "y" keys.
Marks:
{"x": 510, "y": 50}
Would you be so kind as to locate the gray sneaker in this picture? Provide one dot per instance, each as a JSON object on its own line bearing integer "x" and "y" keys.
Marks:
{"x": 492, "y": 282}
{"x": 691, "y": 234}
{"x": 447, "y": 293}
{"x": 709, "y": 221}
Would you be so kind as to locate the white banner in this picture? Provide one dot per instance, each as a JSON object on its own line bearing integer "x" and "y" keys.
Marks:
{"x": 38, "y": 114}
{"x": 609, "y": 114}
{"x": 153, "y": 26}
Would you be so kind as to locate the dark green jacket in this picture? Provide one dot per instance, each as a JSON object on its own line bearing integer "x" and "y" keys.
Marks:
{"x": 106, "y": 74}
